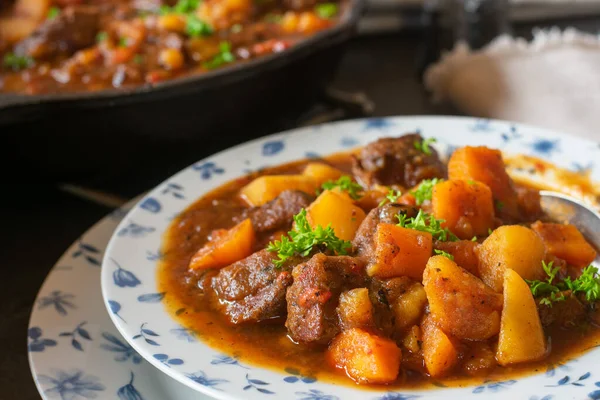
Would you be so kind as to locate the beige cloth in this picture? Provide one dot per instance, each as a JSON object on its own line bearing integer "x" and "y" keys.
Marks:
{"x": 552, "y": 81}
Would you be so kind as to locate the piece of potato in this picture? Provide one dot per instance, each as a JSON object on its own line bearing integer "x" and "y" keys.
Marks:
{"x": 409, "y": 306}
{"x": 17, "y": 28}
{"x": 413, "y": 339}
{"x": 566, "y": 242}
{"x": 226, "y": 247}
{"x": 366, "y": 358}
{"x": 400, "y": 252}
{"x": 321, "y": 173}
{"x": 36, "y": 10}
{"x": 466, "y": 207}
{"x": 510, "y": 246}
{"x": 485, "y": 165}
{"x": 265, "y": 188}
{"x": 521, "y": 336}
{"x": 355, "y": 309}
{"x": 439, "y": 351}
{"x": 338, "y": 210}
{"x": 463, "y": 252}
{"x": 459, "y": 302}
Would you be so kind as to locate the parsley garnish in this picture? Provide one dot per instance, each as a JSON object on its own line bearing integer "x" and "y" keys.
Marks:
{"x": 123, "y": 42}
{"x": 443, "y": 253}
{"x": 53, "y": 12}
{"x": 303, "y": 239}
{"x": 326, "y": 10}
{"x": 182, "y": 7}
{"x": 346, "y": 184}
{"x": 16, "y": 62}
{"x": 588, "y": 283}
{"x": 423, "y": 146}
{"x": 427, "y": 223}
{"x": 224, "y": 57}
{"x": 490, "y": 231}
{"x": 391, "y": 196}
{"x": 474, "y": 239}
{"x": 424, "y": 190}
{"x": 101, "y": 36}
{"x": 499, "y": 205}
{"x": 195, "y": 27}
{"x": 138, "y": 59}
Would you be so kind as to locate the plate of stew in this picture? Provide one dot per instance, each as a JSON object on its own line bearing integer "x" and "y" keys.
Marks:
{"x": 387, "y": 258}
{"x": 74, "y": 46}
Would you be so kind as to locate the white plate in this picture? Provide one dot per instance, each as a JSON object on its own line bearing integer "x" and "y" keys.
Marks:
{"x": 75, "y": 352}
{"x": 129, "y": 266}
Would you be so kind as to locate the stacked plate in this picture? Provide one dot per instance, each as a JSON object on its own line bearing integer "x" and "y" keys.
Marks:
{"x": 100, "y": 328}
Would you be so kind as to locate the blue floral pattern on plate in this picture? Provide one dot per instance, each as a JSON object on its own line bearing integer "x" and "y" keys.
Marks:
{"x": 110, "y": 366}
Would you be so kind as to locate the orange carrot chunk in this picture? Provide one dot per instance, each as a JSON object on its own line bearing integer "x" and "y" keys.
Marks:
{"x": 486, "y": 165}
{"x": 466, "y": 207}
{"x": 366, "y": 358}
{"x": 226, "y": 247}
{"x": 400, "y": 252}
{"x": 566, "y": 242}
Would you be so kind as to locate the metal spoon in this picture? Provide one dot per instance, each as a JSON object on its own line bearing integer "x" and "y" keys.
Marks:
{"x": 563, "y": 208}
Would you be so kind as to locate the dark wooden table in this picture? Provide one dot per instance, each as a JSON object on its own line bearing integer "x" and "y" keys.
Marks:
{"x": 39, "y": 221}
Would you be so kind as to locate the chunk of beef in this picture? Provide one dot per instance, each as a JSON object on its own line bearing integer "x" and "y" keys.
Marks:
{"x": 313, "y": 297}
{"x": 278, "y": 213}
{"x": 567, "y": 313}
{"x": 299, "y": 4}
{"x": 73, "y": 29}
{"x": 530, "y": 206}
{"x": 396, "y": 161}
{"x": 253, "y": 289}
{"x": 364, "y": 241}
{"x": 384, "y": 293}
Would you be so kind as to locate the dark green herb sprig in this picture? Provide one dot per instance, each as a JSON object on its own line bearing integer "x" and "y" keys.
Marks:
{"x": 425, "y": 189}
{"x": 195, "y": 27}
{"x": 53, "y": 12}
{"x": 326, "y": 10}
{"x": 346, "y": 184}
{"x": 182, "y": 7}
{"x": 427, "y": 223}
{"x": 303, "y": 239}
{"x": 392, "y": 196}
{"x": 225, "y": 56}
{"x": 443, "y": 253}
{"x": 17, "y": 63}
{"x": 588, "y": 283}
{"x": 423, "y": 146}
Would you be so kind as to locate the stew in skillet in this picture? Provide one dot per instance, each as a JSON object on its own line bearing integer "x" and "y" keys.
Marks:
{"x": 51, "y": 46}
{"x": 384, "y": 266}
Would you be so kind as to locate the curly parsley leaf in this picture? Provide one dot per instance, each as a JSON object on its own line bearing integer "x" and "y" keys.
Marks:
{"x": 424, "y": 191}
{"x": 326, "y": 10}
{"x": 427, "y": 223}
{"x": 423, "y": 145}
{"x": 225, "y": 56}
{"x": 443, "y": 253}
{"x": 392, "y": 196}
{"x": 303, "y": 240}
{"x": 588, "y": 284}
{"x": 346, "y": 184}
{"x": 17, "y": 63}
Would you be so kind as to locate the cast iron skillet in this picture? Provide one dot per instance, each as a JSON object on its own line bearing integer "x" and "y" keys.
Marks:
{"x": 70, "y": 136}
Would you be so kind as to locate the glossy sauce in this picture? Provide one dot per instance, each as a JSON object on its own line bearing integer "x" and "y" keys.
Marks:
{"x": 276, "y": 351}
